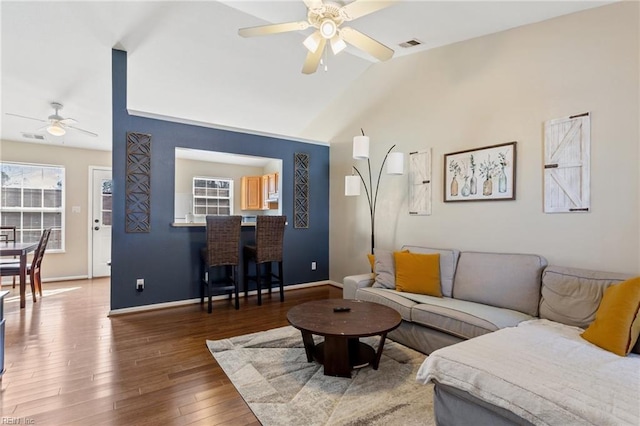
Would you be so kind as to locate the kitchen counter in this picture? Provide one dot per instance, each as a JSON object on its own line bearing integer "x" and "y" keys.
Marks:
{"x": 204, "y": 225}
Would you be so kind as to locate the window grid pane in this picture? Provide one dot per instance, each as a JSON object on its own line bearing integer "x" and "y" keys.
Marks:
{"x": 52, "y": 198}
{"x": 32, "y": 197}
{"x": 11, "y": 197}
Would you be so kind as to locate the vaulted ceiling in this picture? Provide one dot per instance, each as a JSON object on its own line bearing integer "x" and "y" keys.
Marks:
{"x": 188, "y": 63}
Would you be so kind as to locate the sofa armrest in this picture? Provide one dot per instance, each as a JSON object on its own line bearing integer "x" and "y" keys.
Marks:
{"x": 353, "y": 282}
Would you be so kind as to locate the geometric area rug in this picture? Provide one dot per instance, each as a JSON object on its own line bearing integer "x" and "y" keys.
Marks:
{"x": 271, "y": 372}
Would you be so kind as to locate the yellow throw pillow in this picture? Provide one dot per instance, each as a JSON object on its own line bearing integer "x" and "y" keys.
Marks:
{"x": 418, "y": 273}
{"x": 372, "y": 260}
{"x": 617, "y": 324}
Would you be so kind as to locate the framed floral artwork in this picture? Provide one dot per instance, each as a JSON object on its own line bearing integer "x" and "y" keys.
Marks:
{"x": 481, "y": 174}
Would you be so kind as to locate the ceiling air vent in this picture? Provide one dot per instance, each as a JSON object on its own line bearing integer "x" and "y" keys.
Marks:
{"x": 410, "y": 43}
{"x": 33, "y": 136}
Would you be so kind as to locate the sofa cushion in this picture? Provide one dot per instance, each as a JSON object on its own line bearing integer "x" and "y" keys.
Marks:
{"x": 418, "y": 273}
{"x": 448, "y": 262}
{"x": 572, "y": 296}
{"x": 461, "y": 318}
{"x": 390, "y": 298}
{"x": 510, "y": 281}
{"x": 617, "y": 322}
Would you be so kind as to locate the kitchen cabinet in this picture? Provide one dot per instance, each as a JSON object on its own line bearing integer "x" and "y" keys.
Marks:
{"x": 251, "y": 193}
{"x": 260, "y": 192}
{"x": 270, "y": 195}
{"x": 272, "y": 179}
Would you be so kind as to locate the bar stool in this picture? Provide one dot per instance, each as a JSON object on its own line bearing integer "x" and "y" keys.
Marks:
{"x": 223, "y": 249}
{"x": 267, "y": 249}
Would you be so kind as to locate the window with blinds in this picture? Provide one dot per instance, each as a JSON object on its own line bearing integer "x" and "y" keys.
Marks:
{"x": 32, "y": 200}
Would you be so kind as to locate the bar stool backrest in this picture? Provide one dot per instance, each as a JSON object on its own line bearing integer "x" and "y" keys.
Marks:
{"x": 223, "y": 240}
{"x": 269, "y": 238}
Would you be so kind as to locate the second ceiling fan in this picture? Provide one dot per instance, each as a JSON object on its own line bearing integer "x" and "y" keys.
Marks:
{"x": 328, "y": 18}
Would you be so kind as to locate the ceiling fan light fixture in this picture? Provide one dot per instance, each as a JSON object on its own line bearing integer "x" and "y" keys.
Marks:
{"x": 56, "y": 129}
{"x": 337, "y": 45}
{"x": 328, "y": 29}
{"x": 312, "y": 42}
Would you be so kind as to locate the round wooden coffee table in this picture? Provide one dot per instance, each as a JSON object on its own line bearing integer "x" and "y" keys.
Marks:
{"x": 341, "y": 350}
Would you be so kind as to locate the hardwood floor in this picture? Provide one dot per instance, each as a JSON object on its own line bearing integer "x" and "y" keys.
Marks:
{"x": 67, "y": 362}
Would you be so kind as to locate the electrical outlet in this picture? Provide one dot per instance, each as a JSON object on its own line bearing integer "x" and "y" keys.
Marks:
{"x": 140, "y": 284}
{"x": 313, "y": 266}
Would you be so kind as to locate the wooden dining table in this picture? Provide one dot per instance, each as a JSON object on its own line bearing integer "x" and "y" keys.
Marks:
{"x": 19, "y": 249}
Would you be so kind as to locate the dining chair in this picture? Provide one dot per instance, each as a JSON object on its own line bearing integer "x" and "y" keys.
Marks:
{"x": 266, "y": 251}
{"x": 33, "y": 269}
{"x": 221, "y": 257}
{"x": 8, "y": 234}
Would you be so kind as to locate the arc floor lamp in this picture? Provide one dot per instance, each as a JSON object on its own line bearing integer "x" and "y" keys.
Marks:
{"x": 395, "y": 166}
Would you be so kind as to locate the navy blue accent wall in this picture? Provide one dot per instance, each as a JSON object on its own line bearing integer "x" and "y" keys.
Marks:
{"x": 167, "y": 257}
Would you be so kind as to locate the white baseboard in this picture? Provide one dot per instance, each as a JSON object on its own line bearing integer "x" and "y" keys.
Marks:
{"x": 134, "y": 309}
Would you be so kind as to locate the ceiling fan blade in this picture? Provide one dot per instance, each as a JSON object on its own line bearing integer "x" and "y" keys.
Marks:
{"x": 86, "y": 132}
{"x": 28, "y": 118}
{"x": 363, "y": 7}
{"x": 67, "y": 121}
{"x": 273, "y": 29}
{"x": 313, "y": 4}
{"x": 366, "y": 43}
{"x": 313, "y": 58}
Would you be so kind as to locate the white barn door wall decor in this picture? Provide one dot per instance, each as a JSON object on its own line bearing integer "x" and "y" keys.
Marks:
{"x": 420, "y": 182}
{"x": 566, "y": 164}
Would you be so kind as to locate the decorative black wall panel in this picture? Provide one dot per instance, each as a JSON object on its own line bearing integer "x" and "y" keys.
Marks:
{"x": 138, "y": 183}
{"x": 301, "y": 190}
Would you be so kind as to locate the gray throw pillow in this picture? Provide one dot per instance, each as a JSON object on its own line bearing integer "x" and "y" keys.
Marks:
{"x": 385, "y": 269}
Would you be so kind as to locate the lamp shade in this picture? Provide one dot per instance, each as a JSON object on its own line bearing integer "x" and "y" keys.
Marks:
{"x": 312, "y": 42}
{"x": 351, "y": 185}
{"x": 395, "y": 163}
{"x": 337, "y": 45}
{"x": 360, "y": 147}
{"x": 56, "y": 130}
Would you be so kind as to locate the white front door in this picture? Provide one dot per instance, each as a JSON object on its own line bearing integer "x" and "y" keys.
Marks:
{"x": 101, "y": 185}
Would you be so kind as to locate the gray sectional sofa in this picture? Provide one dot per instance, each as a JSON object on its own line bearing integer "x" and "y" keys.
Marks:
{"x": 484, "y": 292}
{"x": 497, "y": 306}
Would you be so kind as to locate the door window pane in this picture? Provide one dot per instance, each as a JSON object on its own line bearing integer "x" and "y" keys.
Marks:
{"x": 107, "y": 202}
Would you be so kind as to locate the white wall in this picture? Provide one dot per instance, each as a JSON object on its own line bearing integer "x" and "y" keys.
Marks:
{"x": 491, "y": 90}
{"x": 74, "y": 261}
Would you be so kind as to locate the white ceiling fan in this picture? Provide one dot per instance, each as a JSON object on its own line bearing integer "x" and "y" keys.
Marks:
{"x": 327, "y": 18}
{"x": 56, "y": 124}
